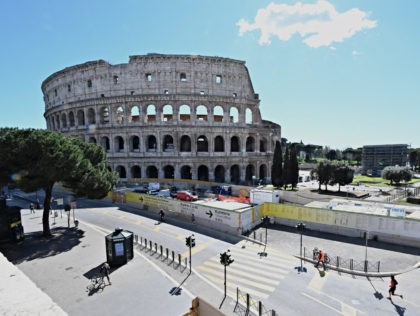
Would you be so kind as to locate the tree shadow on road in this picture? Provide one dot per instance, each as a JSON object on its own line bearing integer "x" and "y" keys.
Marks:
{"x": 35, "y": 246}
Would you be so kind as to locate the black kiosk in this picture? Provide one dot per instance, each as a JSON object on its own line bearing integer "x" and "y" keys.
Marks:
{"x": 119, "y": 247}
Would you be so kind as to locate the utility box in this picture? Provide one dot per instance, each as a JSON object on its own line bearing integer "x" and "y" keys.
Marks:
{"x": 260, "y": 196}
{"x": 119, "y": 247}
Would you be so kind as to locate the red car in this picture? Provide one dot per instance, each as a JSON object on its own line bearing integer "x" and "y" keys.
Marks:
{"x": 186, "y": 196}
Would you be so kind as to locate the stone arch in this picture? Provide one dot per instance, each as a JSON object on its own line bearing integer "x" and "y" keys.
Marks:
{"x": 248, "y": 116}
{"x": 80, "y": 118}
{"x": 202, "y": 113}
{"x": 134, "y": 143}
{"x": 91, "y": 116}
{"x": 151, "y": 143}
{"x": 218, "y": 114}
{"x": 185, "y": 143}
{"x": 186, "y": 172}
{"x": 168, "y": 143}
{"x": 184, "y": 113}
{"x": 250, "y": 144}
{"x": 57, "y": 120}
{"x": 71, "y": 119}
{"x": 219, "y": 174}
{"x": 203, "y": 173}
{"x": 235, "y": 174}
{"x": 263, "y": 144}
{"x": 92, "y": 140}
{"x": 64, "y": 120}
{"x": 104, "y": 115}
{"x": 235, "y": 145}
{"x": 152, "y": 172}
{"x": 249, "y": 174}
{"x": 233, "y": 115}
{"x": 52, "y": 122}
{"x": 168, "y": 172}
{"x": 135, "y": 114}
{"x": 121, "y": 171}
{"x": 118, "y": 144}
{"x": 167, "y": 113}
{"x": 105, "y": 143}
{"x": 219, "y": 144}
{"x": 119, "y": 115}
{"x": 150, "y": 113}
{"x": 202, "y": 144}
{"x": 136, "y": 171}
{"x": 263, "y": 173}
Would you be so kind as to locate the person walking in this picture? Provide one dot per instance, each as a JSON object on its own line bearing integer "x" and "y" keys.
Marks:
{"x": 193, "y": 218}
{"x": 105, "y": 268}
{"x": 161, "y": 215}
{"x": 321, "y": 258}
{"x": 392, "y": 288}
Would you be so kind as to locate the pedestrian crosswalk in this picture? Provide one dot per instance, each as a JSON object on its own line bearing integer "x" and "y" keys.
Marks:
{"x": 254, "y": 274}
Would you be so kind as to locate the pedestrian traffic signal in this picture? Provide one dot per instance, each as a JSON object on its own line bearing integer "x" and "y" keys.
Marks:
{"x": 225, "y": 258}
{"x": 190, "y": 241}
{"x": 301, "y": 227}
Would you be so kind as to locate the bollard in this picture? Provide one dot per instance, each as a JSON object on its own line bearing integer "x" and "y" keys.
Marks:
{"x": 338, "y": 261}
{"x": 173, "y": 256}
{"x": 351, "y": 264}
{"x": 161, "y": 250}
{"x": 145, "y": 243}
{"x": 255, "y": 237}
{"x": 150, "y": 245}
{"x": 155, "y": 247}
{"x": 141, "y": 241}
{"x": 366, "y": 266}
{"x": 167, "y": 253}
{"x": 260, "y": 308}
{"x": 179, "y": 259}
{"x": 186, "y": 262}
{"x": 379, "y": 264}
{"x": 136, "y": 239}
{"x": 247, "y": 301}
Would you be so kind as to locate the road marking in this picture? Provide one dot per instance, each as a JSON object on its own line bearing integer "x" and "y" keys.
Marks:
{"x": 138, "y": 222}
{"x": 322, "y": 303}
{"x": 197, "y": 249}
{"x": 255, "y": 266}
{"x": 266, "y": 262}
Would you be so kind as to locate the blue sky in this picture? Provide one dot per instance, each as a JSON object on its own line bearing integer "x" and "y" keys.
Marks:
{"x": 333, "y": 73}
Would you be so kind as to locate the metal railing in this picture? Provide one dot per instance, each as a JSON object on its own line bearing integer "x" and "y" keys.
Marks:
{"x": 245, "y": 305}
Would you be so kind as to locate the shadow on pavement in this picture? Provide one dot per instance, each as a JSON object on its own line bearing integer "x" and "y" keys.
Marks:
{"x": 36, "y": 246}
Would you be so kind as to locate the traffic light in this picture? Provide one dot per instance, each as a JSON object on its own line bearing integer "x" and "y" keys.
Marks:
{"x": 225, "y": 258}
{"x": 266, "y": 220}
{"x": 301, "y": 227}
{"x": 190, "y": 241}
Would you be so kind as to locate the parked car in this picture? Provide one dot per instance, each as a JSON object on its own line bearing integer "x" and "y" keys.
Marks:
{"x": 186, "y": 196}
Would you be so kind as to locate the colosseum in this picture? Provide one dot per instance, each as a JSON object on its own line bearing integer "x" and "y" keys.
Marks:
{"x": 166, "y": 116}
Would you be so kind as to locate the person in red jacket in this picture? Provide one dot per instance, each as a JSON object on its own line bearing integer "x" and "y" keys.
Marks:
{"x": 321, "y": 258}
{"x": 392, "y": 288}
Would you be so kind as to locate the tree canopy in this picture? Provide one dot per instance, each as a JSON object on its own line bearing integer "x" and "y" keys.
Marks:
{"x": 396, "y": 174}
{"x": 277, "y": 167}
{"x": 37, "y": 159}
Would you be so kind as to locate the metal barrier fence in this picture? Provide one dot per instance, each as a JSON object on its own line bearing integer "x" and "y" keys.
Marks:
{"x": 165, "y": 254}
{"x": 245, "y": 305}
{"x": 350, "y": 264}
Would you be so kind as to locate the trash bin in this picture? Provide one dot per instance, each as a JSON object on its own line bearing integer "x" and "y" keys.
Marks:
{"x": 119, "y": 247}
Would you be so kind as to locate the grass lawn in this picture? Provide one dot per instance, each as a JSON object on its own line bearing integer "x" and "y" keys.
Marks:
{"x": 378, "y": 181}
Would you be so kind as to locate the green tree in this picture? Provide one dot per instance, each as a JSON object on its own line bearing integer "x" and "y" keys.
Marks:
{"x": 277, "y": 167}
{"x": 286, "y": 168}
{"x": 42, "y": 158}
{"x": 396, "y": 174}
{"x": 323, "y": 173}
{"x": 293, "y": 168}
{"x": 342, "y": 175}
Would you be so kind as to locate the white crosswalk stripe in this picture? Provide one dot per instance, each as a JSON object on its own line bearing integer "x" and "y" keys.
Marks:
{"x": 254, "y": 274}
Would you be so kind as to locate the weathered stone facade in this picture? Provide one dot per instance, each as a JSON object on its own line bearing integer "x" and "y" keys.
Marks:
{"x": 166, "y": 116}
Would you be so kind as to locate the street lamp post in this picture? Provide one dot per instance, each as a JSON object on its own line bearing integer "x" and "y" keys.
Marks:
{"x": 265, "y": 220}
{"x": 301, "y": 228}
{"x": 225, "y": 260}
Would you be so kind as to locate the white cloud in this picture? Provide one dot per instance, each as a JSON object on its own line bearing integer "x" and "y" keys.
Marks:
{"x": 318, "y": 24}
{"x": 356, "y": 53}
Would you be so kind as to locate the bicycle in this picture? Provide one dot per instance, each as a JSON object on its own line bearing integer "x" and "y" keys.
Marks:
{"x": 96, "y": 283}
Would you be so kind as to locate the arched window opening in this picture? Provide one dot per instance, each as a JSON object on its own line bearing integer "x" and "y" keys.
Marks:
{"x": 168, "y": 143}
{"x": 119, "y": 144}
{"x": 263, "y": 174}
{"x": 186, "y": 172}
{"x": 167, "y": 113}
{"x": 135, "y": 114}
{"x": 250, "y": 144}
{"x": 152, "y": 172}
{"x": 119, "y": 115}
{"x": 136, "y": 172}
{"x": 233, "y": 115}
{"x": 151, "y": 113}
{"x": 202, "y": 113}
{"x": 64, "y": 120}
{"x": 91, "y": 116}
{"x": 218, "y": 114}
{"x": 104, "y": 112}
{"x": 135, "y": 144}
{"x": 105, "y": 143}
{"x": 202, "y": 144}
{"x": 249, "y": 175}
{"x": 151, "y": 143}
{"x": 203, "y": 173}
{"x": 121, "y": 172}
{"x": 235, "y": 175}
{"x": 52, "y": 122}
{"x": 219, "y": 174}
{"x": 185, "y": 144}
{"x": 168, "y": 172}
{"x": 248, "y": 116}
{"x": 263, "y": 145}
{"x": 92, "y": 140}
{"x": 57, "y": 120}
{"x": 80, "y": 118}
{"x": 184, "y": 113}
{"x": 234, "y": 144}
{"x": 71, "y": 119}
{"x": 219, "y": 144}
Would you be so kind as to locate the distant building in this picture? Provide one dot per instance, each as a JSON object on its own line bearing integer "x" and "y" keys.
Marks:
{"x": 376, "y": 157}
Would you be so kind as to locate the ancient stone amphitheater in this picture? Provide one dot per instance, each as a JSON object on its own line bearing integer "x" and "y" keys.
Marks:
{"x": 166, "y": 116}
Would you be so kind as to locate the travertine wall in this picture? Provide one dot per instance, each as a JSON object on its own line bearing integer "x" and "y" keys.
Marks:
{"x": 166, "y": 116}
